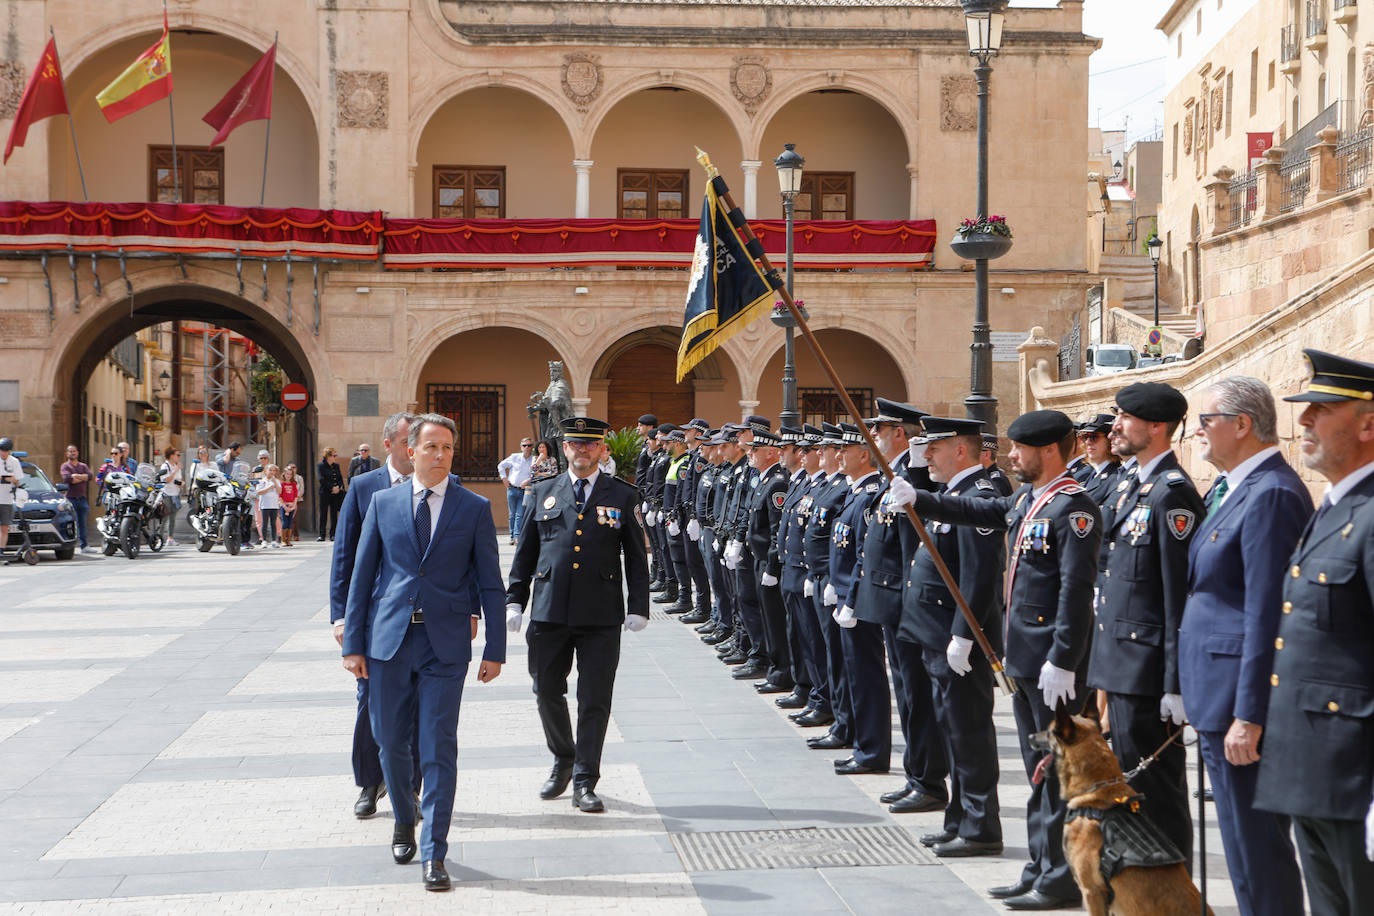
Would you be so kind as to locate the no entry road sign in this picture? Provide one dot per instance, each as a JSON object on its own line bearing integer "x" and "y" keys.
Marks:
{"x": 295, "y": 396}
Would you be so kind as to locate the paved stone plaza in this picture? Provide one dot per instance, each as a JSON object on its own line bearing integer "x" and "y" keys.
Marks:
{"x": 175, "y": 734}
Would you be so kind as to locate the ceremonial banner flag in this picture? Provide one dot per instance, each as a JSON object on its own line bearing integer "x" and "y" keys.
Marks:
{"x": 249, "y": 100}
{"x": 43, "y": 97}
{"x": 147, "y": 80}
{"x": 726, "y": 288}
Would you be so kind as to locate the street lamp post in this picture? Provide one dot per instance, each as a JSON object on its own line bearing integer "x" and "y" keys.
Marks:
{"x": 1154, "y": 244}
{"x": 983, "y": 20}
{"x": 789, "y": 166}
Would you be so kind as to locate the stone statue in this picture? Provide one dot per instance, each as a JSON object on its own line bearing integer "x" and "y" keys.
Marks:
{"x": 554, "y": 406}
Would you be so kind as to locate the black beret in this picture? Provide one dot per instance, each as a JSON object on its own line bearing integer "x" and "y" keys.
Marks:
{"x": 1153, "y": 402}
{"x": 665, "y": 428}
{"x": 1336, "y": 378}
{"x": 648, "y": 420}
{"x": 1040, "y": 428}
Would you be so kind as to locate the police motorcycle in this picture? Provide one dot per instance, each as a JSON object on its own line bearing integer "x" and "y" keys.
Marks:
{"x": 134, "y": 511}
{"x": 223, "y": 508}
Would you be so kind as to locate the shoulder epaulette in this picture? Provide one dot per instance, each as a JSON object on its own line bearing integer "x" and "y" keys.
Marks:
{"x": 983, "y": 484}
{"x": 1176, "y": 478}
{"x": 871, "y": 488}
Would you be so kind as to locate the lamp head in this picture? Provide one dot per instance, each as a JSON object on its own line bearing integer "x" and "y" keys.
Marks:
{"x": 789, "y": 166}
{"x": 983, "y": 20}
{"x": 1154, "y": 244}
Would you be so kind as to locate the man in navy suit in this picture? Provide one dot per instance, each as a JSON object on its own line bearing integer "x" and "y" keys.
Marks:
{"x": 1236, "y": 563}
{"x": 408, "y": 630}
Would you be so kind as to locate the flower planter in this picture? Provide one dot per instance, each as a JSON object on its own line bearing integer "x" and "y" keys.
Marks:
{"x": 978, "y": 246}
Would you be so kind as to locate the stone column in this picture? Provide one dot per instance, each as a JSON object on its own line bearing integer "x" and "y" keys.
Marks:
{"x": 1218, "y": 190}
{"x": 1321, "y": 171}
{"x": 912, "y": 212}
{"x": 750, "y": 205}
{"x": 1268, "y": 188}
{"x": 582, "y": 199}
{"x": 1031, "y": 352}
{"x": 580, "y": 406}
{"x": 746, "y": 408}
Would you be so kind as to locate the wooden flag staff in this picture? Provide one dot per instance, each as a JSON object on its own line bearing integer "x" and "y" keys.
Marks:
{"x": 736, "y": 218}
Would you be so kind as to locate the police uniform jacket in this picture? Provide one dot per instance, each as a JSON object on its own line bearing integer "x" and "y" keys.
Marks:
{"x": 573, "y": 560}
{"x": 976, "y": 558}
{"x": 1145, "y": 586}
{"x": 729, "y": 481}
{"x": 1101, "y": 484}
{"x": 705, "y": 489}
{"x": 684, "y": 503}
{"x": 1081, "y": 470}
{"x": 1118, "y": 497}
{"x": 847, "y": 535}
{"x": 765, "y": 514}
{"x": 1049, "y": 614}
{"x": 672, "y": 488}
{"x": 658, "y": 478}
{"x": 796, "y": 509}
{"x": 642, "y": 468}
{"x": 720, "y": 496}
{"x": 882, "y": 564}
{"x": 1000, "y": 481}
{"x": 1317, "y": 758}
{"x": 737, "y": 512}
{"x": 827, "y": 501}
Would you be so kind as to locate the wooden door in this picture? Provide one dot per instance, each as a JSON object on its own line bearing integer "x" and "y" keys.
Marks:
{"x": 642, "y": 380}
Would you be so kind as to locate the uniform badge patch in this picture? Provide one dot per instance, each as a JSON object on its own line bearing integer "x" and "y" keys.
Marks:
{"x": 1081, "y": 523}
{"x": 1181, "y": 522}
{"x": 778, "y": 499}
{"x": 984, "y": 484}
{"x": 550, "y": 502}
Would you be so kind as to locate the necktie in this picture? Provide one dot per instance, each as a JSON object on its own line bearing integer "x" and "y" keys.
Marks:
{"x": 422, "y": 521}
{"x": 580, "y": 493}
{"x": 401, "y": 480}
{"x": 1218, "y": 494}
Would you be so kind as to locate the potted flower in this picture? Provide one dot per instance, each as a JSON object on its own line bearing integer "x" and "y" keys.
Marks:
{"x": 152, "y": 419}
{"x": 265, "y": 384}
{"x": 984, "y": 238}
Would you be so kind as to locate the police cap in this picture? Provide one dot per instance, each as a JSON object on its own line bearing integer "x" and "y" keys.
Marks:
{"x": 584, "y": 429}
{"x": 948, "y": 427}
{"x": 1336, "y": 378}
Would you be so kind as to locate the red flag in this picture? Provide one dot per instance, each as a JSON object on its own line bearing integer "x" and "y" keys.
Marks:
{"x": 249, "y": 100}
{"x": 43, "y": 97}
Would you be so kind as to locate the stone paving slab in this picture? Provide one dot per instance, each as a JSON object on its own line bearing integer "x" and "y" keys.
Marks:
{"x": 51, "y": 685}
{"x": 53, "y": 621}
{"x": 63, "y": 648}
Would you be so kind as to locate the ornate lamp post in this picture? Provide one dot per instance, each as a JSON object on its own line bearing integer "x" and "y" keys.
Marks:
{"x": 1154, "y": 244}
{"x": 983, "y": 20}
{"x": 789, "y": 166}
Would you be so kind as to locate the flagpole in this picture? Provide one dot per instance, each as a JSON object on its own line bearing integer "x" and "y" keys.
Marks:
{"x": 266, "y": 143}
{"x": 755, "y": 248}
{"x": 172, "y": 117}
{"x": 76, "y": 148}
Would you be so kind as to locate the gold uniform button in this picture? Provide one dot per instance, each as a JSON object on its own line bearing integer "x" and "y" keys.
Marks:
{"x": 1297, "y": 570}
{"x": 1273, "y": 680}
{"x": 1278, "y": 644}
{"x": 1040, "y": 620}
{"x": 579, "y": 516}
{"x": 577, "y": 548}
{"x": 1333, "y": 706}
{"x": 579, "y": 532}
{"x": 1288, "y": 607}
{"x": 574, "y": 566}
{"x": 1321, "y": 577}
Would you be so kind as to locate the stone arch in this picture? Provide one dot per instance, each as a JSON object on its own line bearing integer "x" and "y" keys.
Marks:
{"x": 713, "y": 93}
{"x": 711, "y": 389}
{"x": 858, "y": 357}
{"x": 886, "y": 96}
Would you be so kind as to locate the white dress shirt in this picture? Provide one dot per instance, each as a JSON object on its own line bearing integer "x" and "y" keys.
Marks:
{"x": 436, "y": 500}
{"x": 1348, "y": 483}
{"x": 515, "y": 469}
{"x": 591, "y": 482}
{"x": 954, "y": 481}
{"x": 394, "y": 476}
{"x": 1244, "y": 469}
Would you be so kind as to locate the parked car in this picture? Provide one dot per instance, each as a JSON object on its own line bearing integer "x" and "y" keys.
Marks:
{"x": 52, "y": 521}
{"x": 1108, "y": 359}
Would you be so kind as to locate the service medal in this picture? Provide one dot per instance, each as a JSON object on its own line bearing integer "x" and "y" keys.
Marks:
{"x": 550, "y": 502}
{"x": 601, "y": 515}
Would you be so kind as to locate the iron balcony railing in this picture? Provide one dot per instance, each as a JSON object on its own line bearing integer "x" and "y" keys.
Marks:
{"x": 1243, "y": 200}
{"x": 1294, "y": 176}
{"x": 1316, "y": 18}
{"x": 1353, "y": 156}
{"x": 1288, "y": 43}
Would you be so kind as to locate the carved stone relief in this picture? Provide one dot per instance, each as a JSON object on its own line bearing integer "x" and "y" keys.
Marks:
{"x": 11, "y": 87}
{"x": 751, "y": 81}
{"x": 363, "y": 98}
{"x": 958, "y": 103}
{"x": 1188, "y": 134}
{"x": 581, "y": 78}
{"x": 1367, "y": 92}
{"x": 1218, "y": 107}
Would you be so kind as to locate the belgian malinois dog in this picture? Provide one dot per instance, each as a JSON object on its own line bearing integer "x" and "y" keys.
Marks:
{"x": 1147, "y": 875}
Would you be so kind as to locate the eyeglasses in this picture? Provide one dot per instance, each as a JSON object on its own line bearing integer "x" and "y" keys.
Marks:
{"x": 1089, "y": 437}
{"x": 582, "y": 445}
{"x": 1205, "y": 419}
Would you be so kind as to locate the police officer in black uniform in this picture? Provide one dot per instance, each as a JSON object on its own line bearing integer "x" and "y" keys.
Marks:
{"x": 803, "y": 632}
{"x": 705, "y": 534}
{"x": 959, "y": 672}
{"x": 689, "y": 526}
{"x": 1054, "y": 534}
{"x": 728, "y": 454}
{"x": 571, "y": 557}
{"x": 655, "y": 519}
{"x": 739, "y": 559}
{"x": 988, "y": 458}
{"x": 732, "y": 479}
{"x": 647, "y": 426}
{"x": 826, "y": 505}
{"x": 1094, "y": 436}
{"x": 765, "y": 514}
{"x": 1317, "y": 756}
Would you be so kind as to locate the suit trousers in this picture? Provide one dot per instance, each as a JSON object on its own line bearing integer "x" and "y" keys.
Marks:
{"x": 663, "y": 551}
{"x": 1048, "y": 870}
{"x": 415, "y": 691}
{"x": 710, "y": 557}
{"x": 866, "y": 671}
{"x": 804, "y": 638}
{"x": 924, "y": 759}
{"x": 750, "y": 614}
{"x": 774, "y": 628}
{"x": 677, "y": 552}
{"x": 1340, "y": 880}
{"x": 1137, "y": 733}
{"x": 696, "y": 570}
{"x": 552, "y": 647}
{"x": 1259, "y": 853}
{"x": 963, "y": 710}
{"x": 367, "y": 762}
{"x": 839, "y": 703}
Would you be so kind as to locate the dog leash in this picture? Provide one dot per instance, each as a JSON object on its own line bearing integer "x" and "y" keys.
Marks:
{"x": 1144, "y": 764}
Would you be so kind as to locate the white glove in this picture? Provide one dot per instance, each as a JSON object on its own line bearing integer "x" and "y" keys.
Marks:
{"x": 650, "y": 518}
{"x": 734, "y": 551}
{"x": 916, "y": 454}
{"x": 674, "y": 529}
{"x": 731, "y": 562}
{"x": 634, "y": 622}
{"x": 768, "y": 580}
{"x": 715, "y": 545}
{"x": 828, "y": 597}
{"x": 694, "y": 530}
{"x": 900, "y": 492}
{"x": 1171, "y": 709}
{"x": 1369, "y": 834}
{"x": 845, "y": 617}
{"x": 1057, "y": 684}
{"x": 644, "y": 510}
{"x": 808, "y": 588}
{"x": 514, "y": 618}
{"x": 957, "y": 652}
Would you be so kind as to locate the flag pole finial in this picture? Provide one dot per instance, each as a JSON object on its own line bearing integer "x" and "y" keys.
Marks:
{"x": 705, "y": 160}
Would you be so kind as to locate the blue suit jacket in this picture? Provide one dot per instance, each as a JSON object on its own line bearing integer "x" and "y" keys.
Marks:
{"x": 391, "y": 579}
{"x": 346, "y": 536}
{"x": 1236, "y": 564}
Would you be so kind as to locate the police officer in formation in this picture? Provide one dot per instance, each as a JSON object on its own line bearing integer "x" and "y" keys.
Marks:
{"x": 1105, "y": 577}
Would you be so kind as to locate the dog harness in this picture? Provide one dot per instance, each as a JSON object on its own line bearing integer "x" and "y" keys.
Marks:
{"x": 1129, "y": 839}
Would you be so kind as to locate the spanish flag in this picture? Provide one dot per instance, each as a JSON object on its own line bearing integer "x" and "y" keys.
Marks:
{"x": 147, "y": 80}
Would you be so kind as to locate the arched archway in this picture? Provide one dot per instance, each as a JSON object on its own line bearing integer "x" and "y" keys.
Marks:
{"x": 637, "y": 374}
{"x": 865, "y": 367}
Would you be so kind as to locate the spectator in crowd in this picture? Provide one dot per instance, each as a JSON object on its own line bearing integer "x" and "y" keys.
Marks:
{"x": 515, "y": 474}
{"x": 76, "y": 474}
{"x": 331, "y": 485}
{"x": 126, "y": 461}
{"x": 172, "y": 482}
{"x": 227, "y": 458}
{"x": 257, "y": 476}
{"x": 290, "y": 499}
{"x": 110, "y": 464}
{"x": 544, "y": 466}
{"x": 362, "y": 462}
{"x": 11, "y": 473}
{"x": 268, "y": 490}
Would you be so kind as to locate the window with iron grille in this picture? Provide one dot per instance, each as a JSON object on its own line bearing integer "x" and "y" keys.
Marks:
{"x": 477, "y": 410}
{"x": 823, "y": 405}
{"x": 651, "y": 193}
{"x": 197, "y": 172}
{"x": 469, "y": 192}
{"x": 826, "y": 195}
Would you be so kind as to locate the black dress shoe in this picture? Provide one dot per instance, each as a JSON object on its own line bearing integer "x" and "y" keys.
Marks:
{"x": 748, "y": 672}
{"x": 897, "y": 795}
{"x": 716, "y": 638}
{"x": 963, "y": 848}
{"x": 827, "y": 743}
{"x": 916, "y": 803}
{"x": 366, "y": 805}
{"x": 944, "y": 836}
{"x": 707, "y": 628}
{"x": 770, "y": 687}
{"x": 557, "y": 782}
{"x": 1038, "y": 900}
{"x": 584, "y": 799}
{"x": 797, "y": 699}
{"x": 694, "y": 619}
{"x": 669, "y": 595}
{"x": 682, "y": 605}
{"x": 1009, "y": 890}
{"x": 403, "y": 843}
{"x": 814, "y": 718}
{"x": 739, "y": 658}
{"x": 436, "y": 876}
{"x": 850, "y": 768}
